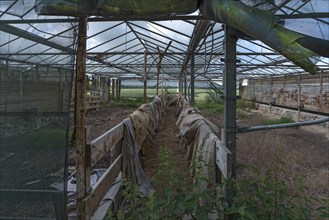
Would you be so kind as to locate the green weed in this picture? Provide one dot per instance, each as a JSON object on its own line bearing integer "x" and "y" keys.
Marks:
{"x": 210, "y": 105}
{"x": 281, "y": 120}
{"x": 258, "y": 194}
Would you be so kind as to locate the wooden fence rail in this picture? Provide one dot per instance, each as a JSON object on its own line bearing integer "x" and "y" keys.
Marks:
{"x": 112, "y": 142}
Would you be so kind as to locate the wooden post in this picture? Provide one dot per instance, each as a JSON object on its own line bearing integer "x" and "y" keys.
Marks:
{"x": 80, "y": 93}
{"x": 145, "y": 76}
{"x": 119, "y": 89}
{"x": 113, "y": 89}
{"x": 192, "y": 79}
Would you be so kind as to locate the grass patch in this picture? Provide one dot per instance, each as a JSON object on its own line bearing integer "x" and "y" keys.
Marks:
{"x": 282, "y": 120}
{"x": 210, "y": 105}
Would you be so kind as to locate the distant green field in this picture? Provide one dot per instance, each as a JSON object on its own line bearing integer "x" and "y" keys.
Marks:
{"x": 139, "y": 92}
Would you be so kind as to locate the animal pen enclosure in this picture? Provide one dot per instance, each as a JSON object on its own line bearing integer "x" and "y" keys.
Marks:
{"x": 49, "y": 50}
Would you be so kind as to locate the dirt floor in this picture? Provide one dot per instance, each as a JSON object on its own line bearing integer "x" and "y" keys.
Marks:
{"x": 304, "y": 151}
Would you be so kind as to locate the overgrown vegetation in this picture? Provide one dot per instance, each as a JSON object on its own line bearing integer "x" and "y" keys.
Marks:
{"x": 281, "y": 120}
{"x": 210, "y": 105}
{"x": 259, "y": 195}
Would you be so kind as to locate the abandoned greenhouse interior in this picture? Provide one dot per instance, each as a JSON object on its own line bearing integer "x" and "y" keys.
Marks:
{"x": 163, "y": 109}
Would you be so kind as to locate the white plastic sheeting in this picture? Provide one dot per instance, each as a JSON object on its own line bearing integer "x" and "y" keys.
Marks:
{"x": 199, "y": 135}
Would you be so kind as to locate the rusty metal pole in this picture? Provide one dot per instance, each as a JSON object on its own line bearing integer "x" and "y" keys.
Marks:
{"x": 145, "y": 76}
{"x": 80, "y": 91}
{"x": 230, "y": 127}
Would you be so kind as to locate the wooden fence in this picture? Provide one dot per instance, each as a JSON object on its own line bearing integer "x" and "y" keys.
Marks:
{"x": 111, "y": 142}
{"x": 105, "y": 193}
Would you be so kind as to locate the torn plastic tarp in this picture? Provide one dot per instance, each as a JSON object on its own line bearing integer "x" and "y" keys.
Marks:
{"x": 199, "y": 136}
{"x": 131, "y": 164}
{"x": 72, "y": 183}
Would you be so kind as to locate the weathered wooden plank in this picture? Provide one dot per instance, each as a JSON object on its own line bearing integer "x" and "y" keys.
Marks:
{"x": 116, "y": 150}
{"x": 102, "y": 144}
{"x": 103, "y": 185}
{"x": 221, "y": 157}
{"x": 110, "y": 201}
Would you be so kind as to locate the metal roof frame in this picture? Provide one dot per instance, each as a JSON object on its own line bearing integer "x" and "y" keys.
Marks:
{"x": 150, "y": 34}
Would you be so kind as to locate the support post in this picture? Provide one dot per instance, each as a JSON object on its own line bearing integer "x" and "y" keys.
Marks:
{"x": 113, "y": 89}
{"x": 230, "y": 129}
{"x": 321, "y": 92}
{"x": 185, "y": 83}
{"x": 60, "y": 90}
{"x": 145, "y": 76}
{"x": 37, "y": 72}
{"x": 7, "y": 70}
{"x": 117, "y": 89}
{"x": 158, "y": 76}
{"x": 271, "y": 93}
{"x": 80, "y": 92}
{"x": 298, "y": 96}
{"x": 192, "y": 79}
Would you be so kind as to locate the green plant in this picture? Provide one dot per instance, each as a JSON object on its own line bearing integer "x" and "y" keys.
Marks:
{"x": 268, "y": 194}
{"x": 259, "y": 194}
{"x": 281, "y": 120}
{"x": 175, "y": 197}
{"x": 210, "y": 105}
{"x": 244, "y": 105}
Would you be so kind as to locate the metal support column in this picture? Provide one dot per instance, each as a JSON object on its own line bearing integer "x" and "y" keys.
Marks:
{"x": 321, "y": 92}
{"x": 158, "y": 76}
{"x": 145, "y": 77}
{"x": 192, "y": 79}
{"x": 298, "y": 96}
{"x": 230, "y": 128}
{"x": 113, "y": 89}
{"x": 117, "y": 95}
{"x": 271, "y": 93}
{"x": 82, "y": 167}
{"x": 181, "y": 77}
{"x": 185, "y": 83}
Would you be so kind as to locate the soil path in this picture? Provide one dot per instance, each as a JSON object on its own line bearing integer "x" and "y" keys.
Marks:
{"x": 167, "y": 137}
